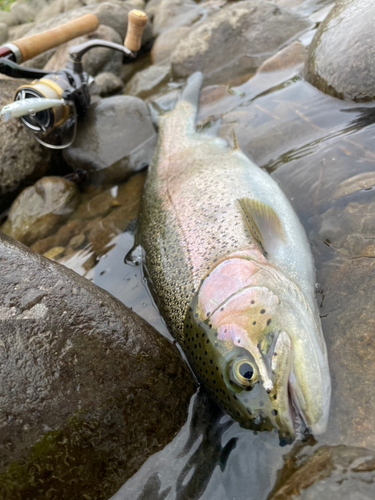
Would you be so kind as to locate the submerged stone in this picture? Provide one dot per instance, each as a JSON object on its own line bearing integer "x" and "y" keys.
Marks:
{"x": 88, "y": 389}
{"x": 236, "y": 40}
{"x": 341, "y": 55}
{"x": 333, "y": 472}
{"x": 147, "y": 82}
{"x": 115, "y": 138}
{"x": 40, "y": 209}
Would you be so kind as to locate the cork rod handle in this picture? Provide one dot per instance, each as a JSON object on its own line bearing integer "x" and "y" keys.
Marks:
{"x": 36, "y": 44}
{"x": 137, "y": 22}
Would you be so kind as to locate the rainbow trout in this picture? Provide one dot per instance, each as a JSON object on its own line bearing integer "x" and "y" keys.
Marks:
{"x": 230, "y": 265}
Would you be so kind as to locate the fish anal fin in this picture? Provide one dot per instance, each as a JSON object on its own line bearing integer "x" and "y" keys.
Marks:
{"x": 262, "y": 222}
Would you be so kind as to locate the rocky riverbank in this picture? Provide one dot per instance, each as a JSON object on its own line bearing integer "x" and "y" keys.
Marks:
{"x": 90, "y": 390}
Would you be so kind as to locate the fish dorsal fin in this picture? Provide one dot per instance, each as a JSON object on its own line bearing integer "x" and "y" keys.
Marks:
{"x": 262, "y": 222}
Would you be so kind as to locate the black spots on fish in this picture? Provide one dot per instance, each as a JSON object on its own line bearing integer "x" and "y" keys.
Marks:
{"x": 209, "y": 326}
{"x": 262, "y": 311}
{"x": 222, "y": 309}
{"x": 274, "y": 412}
{"x": 196, "y": 315}
{"x": 196, "y": 335}
{"x": 203, "y": 335}
{"x": 211, "y": 362}
{"x": 275, "y": 396}
{"x": 204, "y": 363}
{"x": 228, "y": 398}
{"x": 207, "y": 341}
{"x": 216, "y": 333}
{"x": 254, "y": 323}
{"x": 217, "y": 368}
{"x": 235, "y": 397}
{"x": 252, "y": 301}
{"x": 269, "y": 322}
{"x": 208, "y": 314}
{"x": 206, "y": 353}
{"x": 275, "y": 354}
{"x": 200, "y": 345}
{"x": 212, "y": 373}
{"x": 195, "y": 346}
{"x": 261, "y": 403}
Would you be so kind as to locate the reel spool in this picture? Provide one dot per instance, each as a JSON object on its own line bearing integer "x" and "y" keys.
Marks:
{"x": 57, "y": 124}
{"x": 58, "y": 98}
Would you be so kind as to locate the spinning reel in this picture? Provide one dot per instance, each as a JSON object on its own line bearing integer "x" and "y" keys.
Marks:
{"x": 50, "y": 106}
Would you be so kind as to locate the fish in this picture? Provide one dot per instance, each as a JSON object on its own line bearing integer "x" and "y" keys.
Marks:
{"x": 231, "y": 270}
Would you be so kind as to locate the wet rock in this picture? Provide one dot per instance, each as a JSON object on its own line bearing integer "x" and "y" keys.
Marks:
{"x": 235, "y": 40}
{"x": 175, "y": 14}
{"x": 21, "y": 157}
{"x": 89, "y": 390}
{"x": 290, "y": 56}
{"x": 3, "y": 32}
{"x": 71, "y": 4}
{"x": 350, "y": 230}
{"x": 16, "y": 32}
{"x": 40, "y": 209}
{"x": 131, "y": 68}
{"x": 364, "y": 181}
{"x": 50, "y": 10}
{"x": 98, "y": 60}
{"x": 24, "y": 12}
{"x": 54, "y": 253}
{"x": 166, "y": 43}
{"x": 120, "y": 136}
{"x": 147, "y": 82}
{"x": 8, "y": 18}
{"x": 342, "y": 65}
{"x": 61, "y": 238}
{"x": 128, "y": 199}
{"x": 107, "y": 84}
{"x": 115, "y": 14}
{"x": 335, "y": 472}
{"x": 137, "y": 4}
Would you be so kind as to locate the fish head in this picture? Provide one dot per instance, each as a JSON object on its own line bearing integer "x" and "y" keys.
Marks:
{"x": 255, "y": 354}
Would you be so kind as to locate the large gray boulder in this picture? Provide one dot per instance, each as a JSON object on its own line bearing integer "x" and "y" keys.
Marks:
{"x": 88, "y": 389}
{"x": 21, "y": 157}
{"x": 341, "y": 55}
{"x": 236, "y": 40}
{"x": 115, "y": 138}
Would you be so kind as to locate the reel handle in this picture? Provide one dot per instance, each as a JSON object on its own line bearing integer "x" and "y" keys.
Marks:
{"x": 36, "y": 44}
{"x": 137, "y": 21}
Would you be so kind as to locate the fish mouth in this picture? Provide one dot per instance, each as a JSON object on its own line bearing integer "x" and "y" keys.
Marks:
{"x": 287, "y": 394}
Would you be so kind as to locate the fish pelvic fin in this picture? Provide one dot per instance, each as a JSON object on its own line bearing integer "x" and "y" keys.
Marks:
{"x": 262, "y": 223}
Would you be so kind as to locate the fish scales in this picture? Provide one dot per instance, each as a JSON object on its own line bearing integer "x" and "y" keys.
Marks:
{"x": 207, "y": 210}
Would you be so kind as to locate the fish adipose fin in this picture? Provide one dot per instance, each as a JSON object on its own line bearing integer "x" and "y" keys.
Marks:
{"x": 262, "y": 222}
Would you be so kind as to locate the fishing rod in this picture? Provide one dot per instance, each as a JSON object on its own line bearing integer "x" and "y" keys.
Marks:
{"x": 50, "y": 105}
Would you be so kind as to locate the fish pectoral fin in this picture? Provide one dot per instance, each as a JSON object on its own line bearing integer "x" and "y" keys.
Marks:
{"x": 262, "y": 222}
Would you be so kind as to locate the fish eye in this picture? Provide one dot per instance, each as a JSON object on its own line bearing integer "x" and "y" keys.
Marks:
{"x": 243, "y": 372}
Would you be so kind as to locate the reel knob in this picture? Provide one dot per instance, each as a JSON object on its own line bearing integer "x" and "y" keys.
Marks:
{"x": 137, "y": 22}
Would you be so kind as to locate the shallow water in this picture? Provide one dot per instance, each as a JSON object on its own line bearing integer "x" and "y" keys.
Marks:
{"x": 310, "y": 143}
